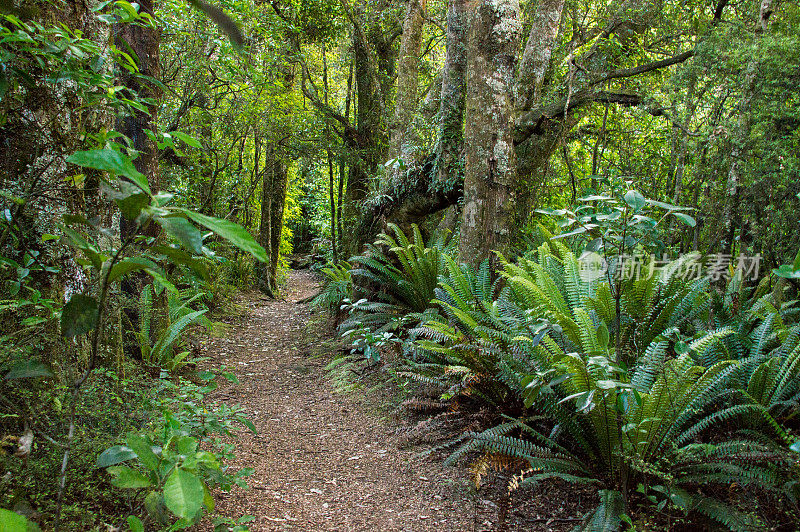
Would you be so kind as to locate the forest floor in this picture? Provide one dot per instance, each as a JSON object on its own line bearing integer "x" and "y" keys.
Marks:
{"x": 325, "y": 460}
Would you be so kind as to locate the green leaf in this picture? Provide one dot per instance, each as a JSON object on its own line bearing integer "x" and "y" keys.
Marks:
{"x": 188, "y": 139}
{"x": 232, "y": 232}
{"x": 795, "y": 446}
{"x": 111, "y": 161}
{"x": 249, "y": 424}
{"x": 12, "y": 522}
{"x": 667, "y": 206}
{"x": 126, "y": 266}
{"x": 635, "y": 199}
{"x": 183, "y": 493}
{"x": 603, "y": 335}
{"x": 27, "y": 369}
{"x": 154, "y": 504}
{"x": 79, "y": 316}
{"x": 128, "y": 478}
{"x": 115, "y": 455}
{"x": 187, "y": 234}
{"x": 135, "y": 524}
{"x": 131, "y": 206}
{"x": 186, "y": 445}
{"x": 685, "y": 218}
{"x": 787, "y": 272}
{"x": 577, "y": 231}
{"x": 143, "y": 450}
{"x": 199, "y": 266}
{"x": 208, "y": 499}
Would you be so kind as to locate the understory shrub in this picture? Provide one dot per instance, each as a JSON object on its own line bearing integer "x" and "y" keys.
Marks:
{"x": 655, "y": 389}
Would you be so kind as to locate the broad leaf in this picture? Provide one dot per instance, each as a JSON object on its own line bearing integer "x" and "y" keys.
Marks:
{"x": 577, "y": 231}
{"x": 183, "y": 493}
{"x": 635, "y": 199}
{"x": 135, "y": 524}
{"x": 13, "y": 522}
{"x": 188, "y": 139}
{"x": 187, "y": 234}
{"x": 685, "y": 218}
{"x": 115, "y": 455}
{"x": 125, "y": 477}
{"x": 111, "y": 161}
{"x": 126, "y": 266}
{"x": 28, "y": 369}
{"x": 131, "y": 206}
{"x": 79, "y": 316}
{"x": 232, "y": 232}
{"x": 143, "y": 450}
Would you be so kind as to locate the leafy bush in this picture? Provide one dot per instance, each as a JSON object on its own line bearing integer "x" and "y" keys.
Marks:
{"x": 399, "y": 283}
{"x": 169, "y": 462}
{"x": 621, "y": 401}
{"x": 338, "y": 287}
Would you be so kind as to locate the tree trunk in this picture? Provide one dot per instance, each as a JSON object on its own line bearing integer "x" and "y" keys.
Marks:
{"x": 280, "y": 184}
{"x": 265, "y": 225}
{"x": 538, "y": 50}
{"x": 370, "y": 138}
{"x": 144, "y": 41}
{"x": 452, "y": 101}
{"x": 402, "y": 139}
{"x": 489, "y": 220}
{"x": 332, "y": 199}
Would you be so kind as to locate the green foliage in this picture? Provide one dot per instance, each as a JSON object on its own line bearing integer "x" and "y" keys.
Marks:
{"x": 338, "y": 286}
{"x": 157, "y": 346}
{"x": 399, "y": 276}
{"x": 618, "y": 223}
{"x": 673, "y": 417}
{"x": 176, "y": 474}
{"x": 13, "y": 522}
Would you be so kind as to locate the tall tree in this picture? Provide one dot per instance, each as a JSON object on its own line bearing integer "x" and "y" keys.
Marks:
{"x": 490, "y": 166}
{"x": 141, "y": 41}
{"x": 402, "y": 141}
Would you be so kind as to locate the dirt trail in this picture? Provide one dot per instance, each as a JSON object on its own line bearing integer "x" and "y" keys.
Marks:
{"x": 321, "y": 461}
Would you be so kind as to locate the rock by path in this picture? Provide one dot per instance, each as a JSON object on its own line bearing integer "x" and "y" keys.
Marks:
{"x": 322, "y": 462}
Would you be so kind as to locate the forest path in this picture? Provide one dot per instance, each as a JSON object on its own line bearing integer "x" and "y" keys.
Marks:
{"x": 322, "y": 461}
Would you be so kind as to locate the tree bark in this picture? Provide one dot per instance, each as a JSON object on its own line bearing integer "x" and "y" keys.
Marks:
{"x": 450, "y": 144}
{"x": 369, "y": 139}
{"x": 402, "y": 139}
{"x": 144, "y": 41}
{"x": 273, "y": 202}
{"x": 489, "y": 219}
{"x": 265, "y": 224}
{"x": 538, "y": 50}
{"x": 280, "y": 182}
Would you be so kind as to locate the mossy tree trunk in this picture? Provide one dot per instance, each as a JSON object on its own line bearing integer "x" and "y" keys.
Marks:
{"x": 489, "y": 219}
{"x": 402, "y": 140}
{"x": 144, "y": 42}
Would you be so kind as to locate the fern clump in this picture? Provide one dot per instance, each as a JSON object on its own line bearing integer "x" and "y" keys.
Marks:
{"x": 650, "y": 395}
{"x": 338, "y": 287}
{"x": 395, "y": 282}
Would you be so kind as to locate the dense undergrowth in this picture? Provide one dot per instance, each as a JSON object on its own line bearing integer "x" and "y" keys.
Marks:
{"x": 675, "y": 398}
